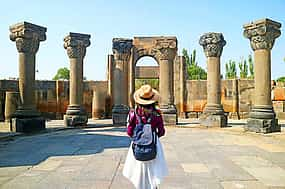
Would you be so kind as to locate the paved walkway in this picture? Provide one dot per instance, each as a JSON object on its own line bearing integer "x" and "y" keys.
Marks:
{"x": 94, "y": 158}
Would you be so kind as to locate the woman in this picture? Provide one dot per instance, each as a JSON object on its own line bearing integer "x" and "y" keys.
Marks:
{"x": 146, "y": 174}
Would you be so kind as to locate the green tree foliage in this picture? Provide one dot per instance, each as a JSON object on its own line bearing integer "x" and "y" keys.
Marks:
{"x": 62, "y": 74}
{"x": 243, "y": 68}
{"x": 251, "y": 67}
{"x": 194, "y": 71}
{"x": 281, "y": 79}
{"x": 154, "y": 83}
{"x": 231, "y": 70}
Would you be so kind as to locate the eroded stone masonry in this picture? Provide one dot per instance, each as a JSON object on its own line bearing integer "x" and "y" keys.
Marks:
{"x": 214, "y": 100}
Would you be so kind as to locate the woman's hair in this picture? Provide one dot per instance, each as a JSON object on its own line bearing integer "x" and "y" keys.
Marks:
{"x": 147, "y": 105}
{"x": 150, "y": 106}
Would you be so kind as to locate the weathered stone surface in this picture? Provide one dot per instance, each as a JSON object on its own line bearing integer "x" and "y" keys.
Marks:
{"x": 262, "y": 35}
{"x": 213, "y": 44}
{"x": 213, "y": 113}
{"x": 262, "y": 125}
{"x": 120, "y": 114}
{"x": 28, "y": 124}
{"x": 12, "y": 102}
{"x": 27, "y": 37}
{"x": 76, "y": 44}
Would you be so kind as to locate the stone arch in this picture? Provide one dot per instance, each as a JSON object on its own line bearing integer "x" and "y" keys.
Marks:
{"x": 147, "y": 72}
{"x": 126, "y": 53}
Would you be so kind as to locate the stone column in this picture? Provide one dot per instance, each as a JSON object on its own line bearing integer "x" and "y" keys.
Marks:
{"x": 11, "y": 104}
{"x": 76, "y": 44}
{"x": 167, "y": 50}
{"x": 122, "y": 51}
{"x": 27, "y": 37}
{"x": 108, "y": 104}
{"x": 262, "y": 35}
{"x": 213, "y": 114}
{"x": 98, "y": 104}
{"x": 183, "y": 75}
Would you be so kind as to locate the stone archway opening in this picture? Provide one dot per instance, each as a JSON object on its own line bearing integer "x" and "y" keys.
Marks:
{"x": 147, "y": 72}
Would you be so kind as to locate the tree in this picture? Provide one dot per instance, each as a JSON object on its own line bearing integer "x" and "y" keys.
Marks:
{"x": 231, "y": 71}
{"x": 251, "y": 67}
{"x": 194, "y": 71}
{"x": 154, "y": 83}
{"x": 243, "y": 68}
{"x": 62, "y": 74}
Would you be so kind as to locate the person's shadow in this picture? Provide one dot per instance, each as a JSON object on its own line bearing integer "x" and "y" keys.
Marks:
{"x": 31, "y": 150}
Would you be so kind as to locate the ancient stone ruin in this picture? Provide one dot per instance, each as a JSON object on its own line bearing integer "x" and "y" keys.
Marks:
{"x": 29, "y": 103}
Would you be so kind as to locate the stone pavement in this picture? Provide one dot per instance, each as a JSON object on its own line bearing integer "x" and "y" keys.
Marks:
{"x": 94, "y": 157}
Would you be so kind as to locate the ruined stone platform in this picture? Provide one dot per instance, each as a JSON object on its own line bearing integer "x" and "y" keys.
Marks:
{"x": 93, "y": 157}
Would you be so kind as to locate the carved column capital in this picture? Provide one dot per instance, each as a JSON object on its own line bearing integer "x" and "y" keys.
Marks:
{"x": 262, "y": 33}
{"x": 166, "y": 48}
{"x": 213, "y": 44}
{"x": 76, "y": 44}
{"x": 27, "y": 36}
{"x": 122, "y": 48}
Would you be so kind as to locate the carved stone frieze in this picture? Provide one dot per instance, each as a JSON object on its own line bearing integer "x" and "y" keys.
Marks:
{"x": 262, "y": 33}
{"x": 27, "y": 36}
{"x": 122, "y": 48}
{"x": 213, "y": 44}
{"x": 76, "y": 44}
{"x": 166, "y": 48}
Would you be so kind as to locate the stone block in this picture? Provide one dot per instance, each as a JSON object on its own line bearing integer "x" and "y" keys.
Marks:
{"x": 213, "y": 120}
{"x": 262, "y": 125}
{"x": 27, "y": 125}
{"x": 120, "y": 118}
{"x": 280, "y": 115}
{"x": 75, "y": 120}
{"x": 192, "y": 115}
{"x": 279, "y": 106}
{"x": 169, "y": 119}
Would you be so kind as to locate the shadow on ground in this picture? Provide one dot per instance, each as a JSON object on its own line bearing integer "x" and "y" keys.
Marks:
{"x": 31, "y": 150}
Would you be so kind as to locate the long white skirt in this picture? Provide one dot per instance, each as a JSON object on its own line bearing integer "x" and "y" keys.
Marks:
{"x": 146, "y": 174}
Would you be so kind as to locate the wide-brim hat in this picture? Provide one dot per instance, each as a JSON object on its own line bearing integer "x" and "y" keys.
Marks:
{"x": 146, "y": 95}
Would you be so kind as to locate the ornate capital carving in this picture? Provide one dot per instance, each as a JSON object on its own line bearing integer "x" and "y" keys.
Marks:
{"x": 76, "y": 44}
{"x": 213, "y": 44}
{"x": 122, "y": 48}
{"x": 27, "y": 36}
{"x": 262, "y": 33}
{"x": 166, "y": 48}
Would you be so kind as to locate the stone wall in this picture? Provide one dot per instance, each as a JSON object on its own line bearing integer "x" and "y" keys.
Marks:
{"x": 52, "y": 97}
{"x": 237, "y": 97}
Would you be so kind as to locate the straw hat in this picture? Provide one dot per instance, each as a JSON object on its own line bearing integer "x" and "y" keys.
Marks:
{"x": 146, "y": 95}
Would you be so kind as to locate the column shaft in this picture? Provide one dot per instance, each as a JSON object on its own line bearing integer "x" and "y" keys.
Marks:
{"x": 76, "y": 81}
{"x": 27, "y": 80}
{"x": 262, "y": 77}
{"x": 165, "y": 82}
{"x": 213, "y": 81}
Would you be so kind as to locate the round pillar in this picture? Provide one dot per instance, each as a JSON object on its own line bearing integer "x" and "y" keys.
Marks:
{"x": 262, "y": 35}
{"x": 11, "y": 104}
{"x": 27, "y": 37}
{"x": 122, "y": 51}
{"x": 98, "y": 104}
{"x": 76, "y": 44}
{"x": 213, "y": 113}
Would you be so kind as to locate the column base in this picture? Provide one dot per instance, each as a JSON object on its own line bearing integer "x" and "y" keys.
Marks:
{"x": 169, "y": 115}
{"x": 26, "y": 120}
{"x": 262, "y": 119}
{"x": 120, "y": 114}
{"x": 213, "y": 116}
{"x": 27, "y": 125}
{"x": 75, "y": 116}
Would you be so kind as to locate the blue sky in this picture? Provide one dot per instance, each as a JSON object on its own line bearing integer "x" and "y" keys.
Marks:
{"x": 104, "y": 20}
